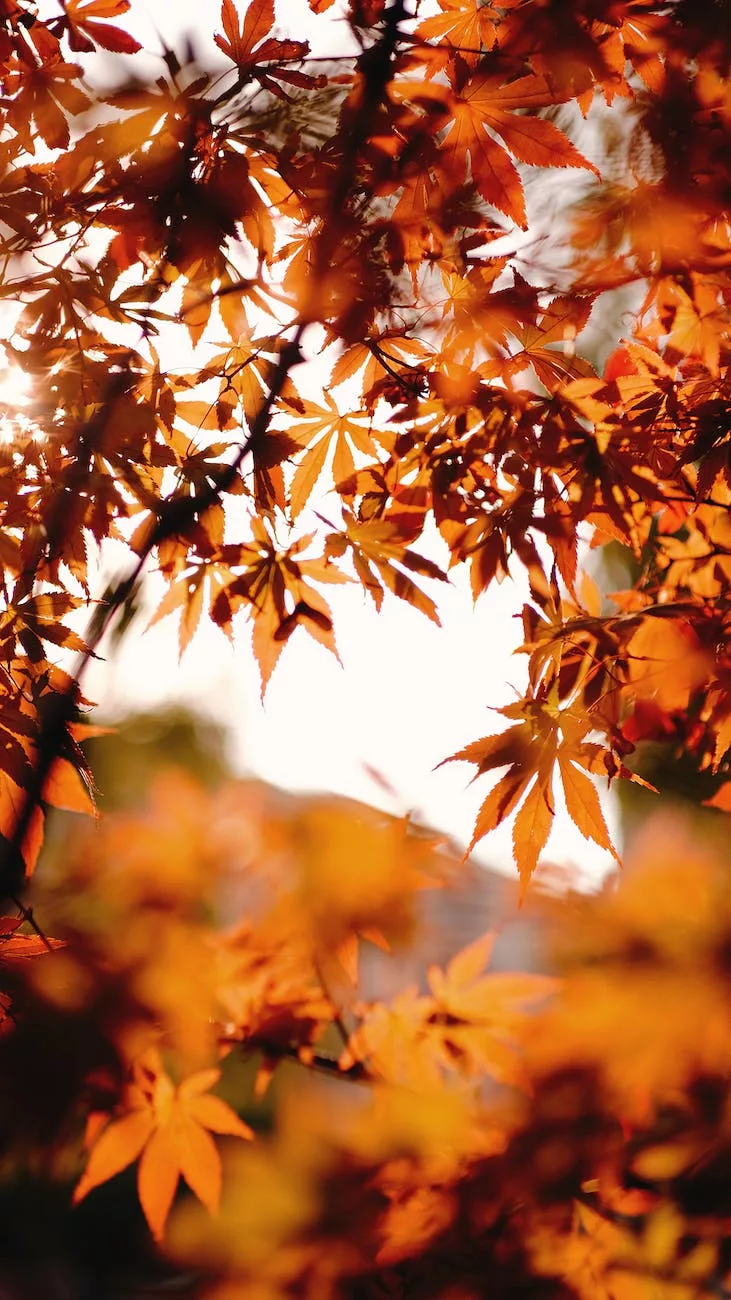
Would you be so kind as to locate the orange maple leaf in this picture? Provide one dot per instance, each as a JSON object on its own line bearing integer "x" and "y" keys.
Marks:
{"x": 464, "y": 27}
{"x": 322, "y": 428}
{"x": 274, "y": 591}
{"x": 42, "y": 93}
{"x": 250, "y": 43}
{"x": 239, "y": 43}
{"x": 464, "y": 989}
{"x": 87, "y": 26}
{"x": 485, "y": 106}
{"x": 376, "y": 548}
{"x": 541, "y": 737}
{"x": 482, "y": 1010}
{"x": 169, "y": 1128}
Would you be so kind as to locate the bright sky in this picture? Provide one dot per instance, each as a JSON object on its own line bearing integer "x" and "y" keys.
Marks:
{"x": 408, "y": 693}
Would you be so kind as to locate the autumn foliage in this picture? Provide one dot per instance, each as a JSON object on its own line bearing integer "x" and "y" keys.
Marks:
{"x": 286, "y": 318}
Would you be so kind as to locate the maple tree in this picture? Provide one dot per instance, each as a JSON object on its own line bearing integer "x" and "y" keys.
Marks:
{"x": 178, "y": 252}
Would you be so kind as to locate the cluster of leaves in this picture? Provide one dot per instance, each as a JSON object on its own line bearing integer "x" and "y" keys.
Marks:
{"x": 254, "y": 207}
{"x": 567, "y": 1134}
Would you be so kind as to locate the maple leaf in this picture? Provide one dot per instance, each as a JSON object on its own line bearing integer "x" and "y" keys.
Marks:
{"x": 484, "y": 105}
{"x": 250, "y": 46}
{"x": 343, "y": 432}
{"x": 187, "y": 595}
{"x": 275, "y": 592}
{"x": 667, "y": 662}
{"x": 560, "y": 324}
{"x": 238, "y": 43}
{"x": 463, "y": 27}
{"x": 495, "y": 1002}
{"x": 199, "y": 584}
{"x": 46, "y": 89}
{"x": 248, "y": 369}
{"x": 397, "y": 1042}
{"x": 530, "y": 749}
{"x": 86, "y": 25}
{"x": 168, "y": 1129}
{"x": 16, "y": 864}
{"x": 376, "y": 549}
{"x": 466, "y": 992}
{"x": 65, "y": 787}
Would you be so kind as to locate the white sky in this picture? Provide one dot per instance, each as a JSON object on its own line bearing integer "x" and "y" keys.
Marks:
{"x": 408, "y": 694}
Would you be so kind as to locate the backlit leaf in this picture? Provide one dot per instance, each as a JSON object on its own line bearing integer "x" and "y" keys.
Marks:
{"x": 582, "y": 803}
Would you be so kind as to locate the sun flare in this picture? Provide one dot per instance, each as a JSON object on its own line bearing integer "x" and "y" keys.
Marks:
{"x": 14, "y": 396}
{"x": 14, "y": 387}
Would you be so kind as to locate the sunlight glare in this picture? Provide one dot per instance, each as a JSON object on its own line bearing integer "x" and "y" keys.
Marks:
{"x": 14, "y": 394}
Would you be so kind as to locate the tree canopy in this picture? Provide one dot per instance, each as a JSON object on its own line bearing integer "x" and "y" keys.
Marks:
{"x": 176, "y": 249}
